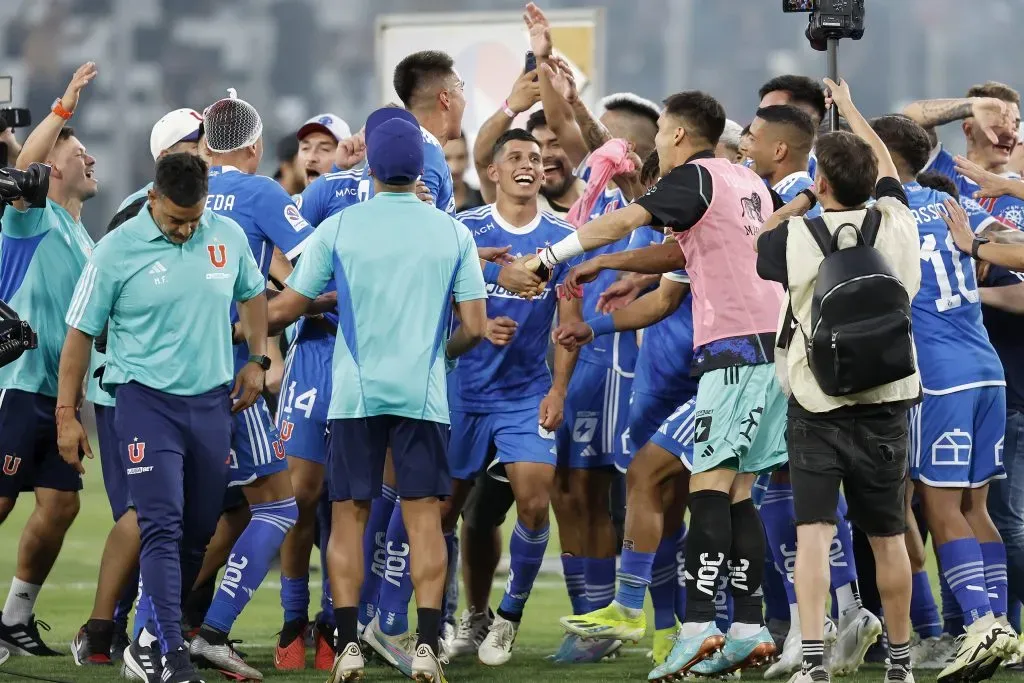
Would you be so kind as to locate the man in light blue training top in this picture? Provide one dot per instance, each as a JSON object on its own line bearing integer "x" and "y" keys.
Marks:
{"x": 42, "y": 252}
{"x": 174, "y": 266}
{"x": 389, "y": 372}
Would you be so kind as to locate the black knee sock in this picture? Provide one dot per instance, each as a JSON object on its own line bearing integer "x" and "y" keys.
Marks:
{"x": 746, "y": 563}
{"x": 347, "y": 620}
{"x": 707, "y": 550}
{"x": 428, "y": 623}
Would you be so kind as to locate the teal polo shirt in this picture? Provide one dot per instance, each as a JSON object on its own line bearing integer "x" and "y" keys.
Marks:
{"x": 169, "y": 305}
{"x": 398, "y": 264}
{"x": 42, "y": 253}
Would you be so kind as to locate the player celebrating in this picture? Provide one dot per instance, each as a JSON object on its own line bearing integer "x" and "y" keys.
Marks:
{"x": 740, "y": 409}
{"x": 44, "y": 249}
{"x": 991, "y": 119}
{"x": 318, "y": 144}
{"x": 957, "y": 430}
{"x": 234, "y": 136}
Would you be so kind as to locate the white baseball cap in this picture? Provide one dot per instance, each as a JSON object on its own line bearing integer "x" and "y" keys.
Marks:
{"x": 331, "y": 124}
{"x": 174, "y": 127}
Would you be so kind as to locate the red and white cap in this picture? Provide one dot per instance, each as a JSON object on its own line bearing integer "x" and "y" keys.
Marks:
{"x": 331, "y": 124}
{"x": 174, "y": 127}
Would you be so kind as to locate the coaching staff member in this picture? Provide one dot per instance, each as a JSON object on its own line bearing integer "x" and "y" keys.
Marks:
{"x": 399, "y": 264}
{"x": 165, "y": 280}
{"x": 859, "y": 440}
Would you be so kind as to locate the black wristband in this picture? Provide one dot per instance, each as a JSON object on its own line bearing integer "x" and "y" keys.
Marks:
{"x": 811, "y": 197}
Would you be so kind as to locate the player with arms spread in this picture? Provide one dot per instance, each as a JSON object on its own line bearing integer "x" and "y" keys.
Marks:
{"x": 716, "y": 210}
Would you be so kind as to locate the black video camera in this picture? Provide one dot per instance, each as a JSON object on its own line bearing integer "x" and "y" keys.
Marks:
{"x": 10, "y": 117}
{"x": 829, "y": 19}
{"x": 16, "y": 336}
{"x": 31, "y": 185}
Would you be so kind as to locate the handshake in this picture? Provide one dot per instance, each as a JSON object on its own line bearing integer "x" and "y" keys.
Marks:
{"x": 525, "y": 275}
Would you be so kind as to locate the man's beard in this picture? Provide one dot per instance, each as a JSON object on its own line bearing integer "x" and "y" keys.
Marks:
{"x": 560, "y": 190}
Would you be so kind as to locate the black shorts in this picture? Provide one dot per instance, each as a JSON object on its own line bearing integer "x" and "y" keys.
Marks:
{"x": 357, "y": 447}
{"x": 866, "y": 453}
{"x": 488, "y": 503}
{"x": 30, "y": 459}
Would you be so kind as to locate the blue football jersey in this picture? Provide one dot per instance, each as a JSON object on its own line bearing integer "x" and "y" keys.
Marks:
{"x": 666, "y": 352}
{"x": 812, "y": 164}
{"x": 268, "y": 217}
{"x": 616, "y": 351}
{"x": 953, "y": 348}
{"x": 510, "y": 377}
{"x": 332, "y": 192}
{"x": 329, "y": 194}
{"x": 1004, "y": 208}
{"x": 792, "y": 185}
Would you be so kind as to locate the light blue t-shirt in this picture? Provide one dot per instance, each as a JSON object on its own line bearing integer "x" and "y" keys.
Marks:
{"x": 398, "y": 263}
{"x": 42, "y": 254}
{"x": 169, "y": 305}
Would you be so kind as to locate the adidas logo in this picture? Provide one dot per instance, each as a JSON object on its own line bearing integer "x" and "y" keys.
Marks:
{"x": 157, "y": 269}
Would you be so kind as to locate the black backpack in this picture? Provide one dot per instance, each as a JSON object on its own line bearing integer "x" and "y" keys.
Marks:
{"x": 860, "y": 336}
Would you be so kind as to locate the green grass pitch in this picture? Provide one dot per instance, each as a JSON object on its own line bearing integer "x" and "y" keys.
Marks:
{"x": 66, "y": 601}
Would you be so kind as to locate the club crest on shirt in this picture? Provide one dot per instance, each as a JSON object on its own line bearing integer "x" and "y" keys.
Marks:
{"x": 752, "y": 207}
{"x": 218, "y": 255}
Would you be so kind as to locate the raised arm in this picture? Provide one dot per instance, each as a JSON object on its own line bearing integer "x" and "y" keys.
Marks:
{"x": 841, "y": 98}
{"x": 525, "y": 93}
{"x": 43, "y": 137}
{"x": 987, "y": 112}
{"x": 556, "y": 93}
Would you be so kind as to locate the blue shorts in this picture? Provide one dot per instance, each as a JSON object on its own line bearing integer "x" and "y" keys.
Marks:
{"x": 29, "y": 455}
{"x": 115, "y": 480}
{"x": 956, "y": 439}
{"x": 256, "y": 447}
{"x": 355, "y": 465}
{"x": 647, "y": 412}
{"x": 305, "y": 395}
{"x": 514, "y": 435}
{"x": 596, "y": 414}
{"x": 676, "y": 434}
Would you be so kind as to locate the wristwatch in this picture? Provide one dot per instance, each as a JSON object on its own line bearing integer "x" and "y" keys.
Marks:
{"x": 262, "y": 361}
{"x": 58, "y": 109}
{"x": 976, "y": 244}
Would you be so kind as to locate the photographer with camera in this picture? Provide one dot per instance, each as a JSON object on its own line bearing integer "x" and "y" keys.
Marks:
{"x": 43, "y": 249}
{"x": 848, "y": 362}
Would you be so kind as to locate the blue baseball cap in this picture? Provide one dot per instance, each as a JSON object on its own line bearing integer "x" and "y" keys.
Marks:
{"x": 386, "y": 114}
{"x": 394, "y": 150}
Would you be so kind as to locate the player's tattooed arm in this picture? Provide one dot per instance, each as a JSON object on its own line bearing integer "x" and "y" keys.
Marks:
{"x": 988, "y": 113}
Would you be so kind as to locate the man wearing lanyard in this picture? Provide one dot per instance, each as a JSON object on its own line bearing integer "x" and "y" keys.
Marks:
{"x": 175, "y": 266}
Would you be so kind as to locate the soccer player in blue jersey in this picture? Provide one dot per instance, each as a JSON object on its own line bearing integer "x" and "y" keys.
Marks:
{"x": 43, "y": 250}
{"x": 234, "y": 137}
{"x": 104, "y": 637}
{"x": 957, "y": 431}
{"x": 991, "y": 117}
{"x": 801, "y": 92}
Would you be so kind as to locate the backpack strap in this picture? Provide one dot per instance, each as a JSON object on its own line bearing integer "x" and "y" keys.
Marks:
{"x": 820, "y": 233}
{"x": 869, "y": 228}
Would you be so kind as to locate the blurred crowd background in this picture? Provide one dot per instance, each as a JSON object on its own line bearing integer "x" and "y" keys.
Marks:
{"x": 296, "y": 58}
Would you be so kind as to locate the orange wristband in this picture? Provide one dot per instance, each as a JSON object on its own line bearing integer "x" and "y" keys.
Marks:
{"x": 60, "y": 111}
